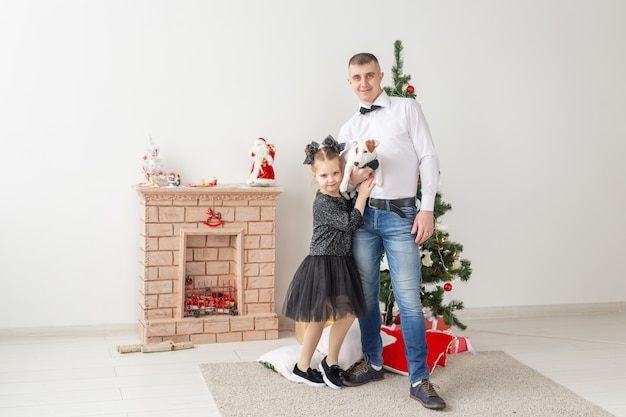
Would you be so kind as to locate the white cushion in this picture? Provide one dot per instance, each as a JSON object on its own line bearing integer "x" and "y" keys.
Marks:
{"x": 283, "y": 359}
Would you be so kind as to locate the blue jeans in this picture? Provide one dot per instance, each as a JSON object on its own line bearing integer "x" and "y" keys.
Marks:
{"x": 385, "y": 229}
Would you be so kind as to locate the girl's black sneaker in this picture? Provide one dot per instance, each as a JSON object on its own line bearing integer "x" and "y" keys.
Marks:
{"x": 331, "y": 374}
{"x": 311, "y": 377}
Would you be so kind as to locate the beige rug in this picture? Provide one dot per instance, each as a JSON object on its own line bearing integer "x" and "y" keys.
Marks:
{"x": 486, "y": 384}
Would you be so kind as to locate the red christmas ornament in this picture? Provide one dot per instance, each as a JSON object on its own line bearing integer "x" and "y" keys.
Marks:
{"x": 447, "y": 286}
{"x": 410, "y": 89}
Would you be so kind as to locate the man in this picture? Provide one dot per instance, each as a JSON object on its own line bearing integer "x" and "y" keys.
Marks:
{"x": 393, "y": 223}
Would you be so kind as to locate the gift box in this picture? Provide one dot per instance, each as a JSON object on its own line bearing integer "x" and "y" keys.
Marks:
{"x": 461, "y": 344}
{"x": 436, "y": 323}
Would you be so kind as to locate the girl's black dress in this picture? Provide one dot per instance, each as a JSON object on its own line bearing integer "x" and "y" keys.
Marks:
{"x": 326, "y": 285}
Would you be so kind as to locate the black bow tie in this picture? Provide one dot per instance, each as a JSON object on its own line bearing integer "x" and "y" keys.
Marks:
{"x": 364, "y": 110}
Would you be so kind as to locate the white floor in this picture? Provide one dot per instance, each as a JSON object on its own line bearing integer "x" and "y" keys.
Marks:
{"x": 78, "y": 372}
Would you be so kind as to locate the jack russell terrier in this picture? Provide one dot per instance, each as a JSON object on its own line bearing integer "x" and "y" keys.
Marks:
{"x": 362, "y": 154}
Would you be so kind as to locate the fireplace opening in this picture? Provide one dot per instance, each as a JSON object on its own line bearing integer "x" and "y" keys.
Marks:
{"x": 210, "y": 272}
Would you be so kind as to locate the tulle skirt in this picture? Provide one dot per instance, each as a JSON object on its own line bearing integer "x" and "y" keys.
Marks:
{"x": 325, "y": 288}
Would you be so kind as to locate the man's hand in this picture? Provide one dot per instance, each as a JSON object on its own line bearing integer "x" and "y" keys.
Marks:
{"x": 424, "y": 225}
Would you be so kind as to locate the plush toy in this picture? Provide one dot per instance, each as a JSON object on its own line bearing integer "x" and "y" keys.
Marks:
{"x": 262, "y": 154}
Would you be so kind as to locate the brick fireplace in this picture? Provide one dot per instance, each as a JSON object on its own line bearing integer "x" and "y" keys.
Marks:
{"x": 207, "y": 239}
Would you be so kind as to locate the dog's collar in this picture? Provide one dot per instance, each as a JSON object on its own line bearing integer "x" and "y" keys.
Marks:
{"x": 372, "y": 164}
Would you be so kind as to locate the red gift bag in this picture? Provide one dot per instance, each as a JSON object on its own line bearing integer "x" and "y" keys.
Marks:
{"x": 394, "y": 358}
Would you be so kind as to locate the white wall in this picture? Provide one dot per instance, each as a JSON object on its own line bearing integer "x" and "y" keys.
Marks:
{"x": 525, "y": 101}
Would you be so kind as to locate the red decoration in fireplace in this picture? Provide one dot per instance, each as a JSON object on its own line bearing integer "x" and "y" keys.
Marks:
{"x": 204, "y": 301}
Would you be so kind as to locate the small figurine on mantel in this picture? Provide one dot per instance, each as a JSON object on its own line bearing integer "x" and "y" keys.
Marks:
{"x": 262, "y": 154}
{"x": 173, "y": 180}
{"x": 204, "y": 183}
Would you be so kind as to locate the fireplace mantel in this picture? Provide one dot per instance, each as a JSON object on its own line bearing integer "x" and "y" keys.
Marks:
{"x": 216, "y": 234}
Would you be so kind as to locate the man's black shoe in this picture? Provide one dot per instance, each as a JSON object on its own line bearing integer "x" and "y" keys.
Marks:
{"x": 425, "y": 393}
{"x": 361, "y": 373}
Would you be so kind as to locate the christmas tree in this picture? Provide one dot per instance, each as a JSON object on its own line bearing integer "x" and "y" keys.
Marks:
{"x": 401, "y": 86}
{"x": 441, "y": 258}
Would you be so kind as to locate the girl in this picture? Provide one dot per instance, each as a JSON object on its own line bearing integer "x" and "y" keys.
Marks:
{"x": 326, "y": 285}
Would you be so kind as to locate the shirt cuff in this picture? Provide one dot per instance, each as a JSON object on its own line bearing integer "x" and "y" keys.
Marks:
{"x": 427, "y": 203}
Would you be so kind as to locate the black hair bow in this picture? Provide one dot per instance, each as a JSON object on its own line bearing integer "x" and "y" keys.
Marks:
{"x": 313, "y": 147}
{"x": 332, "y": 143}
{"x": 310, "y": 152}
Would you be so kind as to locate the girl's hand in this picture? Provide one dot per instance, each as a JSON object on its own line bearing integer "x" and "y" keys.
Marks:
{"x": 365, "y": 187}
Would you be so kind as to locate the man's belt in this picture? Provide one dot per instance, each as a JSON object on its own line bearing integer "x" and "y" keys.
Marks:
{"x": 392, "y": 205}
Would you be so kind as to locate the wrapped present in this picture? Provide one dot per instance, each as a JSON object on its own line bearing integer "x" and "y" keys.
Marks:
{"x": 436, "y": 323}
{"x": 461, "y": 344}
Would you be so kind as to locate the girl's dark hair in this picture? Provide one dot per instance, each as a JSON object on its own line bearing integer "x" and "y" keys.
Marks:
{"x": 325, "y": 154}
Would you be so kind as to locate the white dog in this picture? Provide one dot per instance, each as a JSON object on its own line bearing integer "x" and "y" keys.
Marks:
{"x": 361, "y": 154}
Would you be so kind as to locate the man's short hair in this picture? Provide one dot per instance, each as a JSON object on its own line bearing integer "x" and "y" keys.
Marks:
{"x": 363, "y": 58}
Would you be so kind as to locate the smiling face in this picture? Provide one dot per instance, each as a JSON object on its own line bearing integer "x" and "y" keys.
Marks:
{"x": 365, "y": 80}
{"x": 328, "y": 175}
